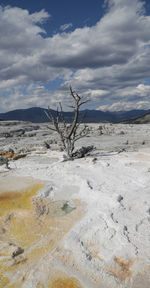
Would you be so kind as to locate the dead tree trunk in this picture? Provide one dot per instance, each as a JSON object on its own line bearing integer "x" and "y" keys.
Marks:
{"x": 69, "y": 133}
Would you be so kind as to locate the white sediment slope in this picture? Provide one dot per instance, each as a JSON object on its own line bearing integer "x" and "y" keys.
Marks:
{"x": 109, "y": 246}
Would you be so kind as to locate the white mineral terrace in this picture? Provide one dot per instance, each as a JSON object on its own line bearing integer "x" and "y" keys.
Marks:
{"x": 82, "y": 223}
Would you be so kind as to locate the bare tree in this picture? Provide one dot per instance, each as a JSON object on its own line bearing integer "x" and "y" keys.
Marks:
{"x": 70, "y": 133}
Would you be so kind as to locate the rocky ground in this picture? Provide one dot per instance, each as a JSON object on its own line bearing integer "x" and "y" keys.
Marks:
{"x": 26, "y": 137}
{"x": 82, "y": 223}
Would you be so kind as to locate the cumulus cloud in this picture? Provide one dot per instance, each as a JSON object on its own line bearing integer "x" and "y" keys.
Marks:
{"x": 121, "y": 106}
{"x": 65, "y": 27}
{"x": 131, "y": 98}
{"x": 108, "y": 62}
{"x": 31, "y": 96}
{"x": 143, "y": 90}
{"x": 115, "y": 39}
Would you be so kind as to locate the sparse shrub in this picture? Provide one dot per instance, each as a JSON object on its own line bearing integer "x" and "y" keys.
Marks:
{"x": 100, "y": 129}
{"x": 122, "y": 133}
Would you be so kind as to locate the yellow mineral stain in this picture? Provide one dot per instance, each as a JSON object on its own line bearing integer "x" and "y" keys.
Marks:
{"x": 124, "y": 269}
{"x": 24, "y": 229}
{"x": 4, "y": 281}
{"x": 12, "y": 201}
{"x": 66, "y": 283}
{"x": 38, "y": 234}
{"x": 39, "y": 285}
{"x": 95, "y": 254}
{"x": 53, "y": 228}
{"x": 94, "y": 251}
{"x": 62, "y": 280}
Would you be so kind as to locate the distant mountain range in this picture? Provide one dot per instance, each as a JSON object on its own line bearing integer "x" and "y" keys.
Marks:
{"x": 144, "y": 119}
{"x": 37, "y": 115}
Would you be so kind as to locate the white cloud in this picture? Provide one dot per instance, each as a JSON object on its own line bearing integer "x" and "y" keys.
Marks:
{"x": 110, "y": 60}
{"x": 65, "y": 27}
{"x": 121, "y": 106}
{"x": 143, "y": 90}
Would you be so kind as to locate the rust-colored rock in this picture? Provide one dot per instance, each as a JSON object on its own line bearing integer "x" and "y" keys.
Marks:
{"x": 11, "y": 155}
{"x": 122, "y": 270}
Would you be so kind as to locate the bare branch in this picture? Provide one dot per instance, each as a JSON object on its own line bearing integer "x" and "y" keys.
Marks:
{"x": 69, "y": 133}
{"x": 50, "y": 117}
{"x": 79, "y": 97}
{"x": 82, "y": 118}
{"x": 52, "y": 129}
{"x": 83, "y": 102}
{"x": 62, "y": 115}
{"x": 72, "y": 93}
{"x": 58, "y": 114}
{"x": 81, "y": 135}
{"x": 71, "y": 106}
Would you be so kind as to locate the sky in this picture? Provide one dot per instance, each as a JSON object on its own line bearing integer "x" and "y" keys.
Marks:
{"x": 99, "y": 47}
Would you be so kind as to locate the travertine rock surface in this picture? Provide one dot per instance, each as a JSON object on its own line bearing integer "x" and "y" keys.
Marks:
{"x": 82, "y": 223}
